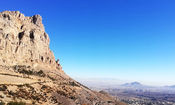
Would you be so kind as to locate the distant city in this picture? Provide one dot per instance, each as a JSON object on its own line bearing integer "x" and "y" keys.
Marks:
{"x": 135, "y": 93}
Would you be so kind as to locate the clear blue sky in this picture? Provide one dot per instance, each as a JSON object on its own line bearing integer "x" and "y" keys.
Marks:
{"x": 125, "y": 39}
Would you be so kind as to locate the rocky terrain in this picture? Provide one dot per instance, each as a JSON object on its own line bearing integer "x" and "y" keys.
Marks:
{"x": 29, "y": 72}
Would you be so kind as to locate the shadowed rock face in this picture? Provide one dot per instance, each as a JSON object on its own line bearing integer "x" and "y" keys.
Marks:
{"x": 29, "y": 72}
{"x": 23, "y": 41}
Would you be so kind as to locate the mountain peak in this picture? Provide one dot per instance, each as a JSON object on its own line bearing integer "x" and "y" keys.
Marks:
{"x": 135, "y": 83}
{"x": 132, "y": 84}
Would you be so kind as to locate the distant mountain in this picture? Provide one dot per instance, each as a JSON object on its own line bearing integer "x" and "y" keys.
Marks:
{"x": 132, "y": 84}
{"x": 172, "y": 86}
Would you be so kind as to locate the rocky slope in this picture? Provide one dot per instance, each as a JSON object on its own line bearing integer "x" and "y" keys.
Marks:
{"x": 29, "y": 72}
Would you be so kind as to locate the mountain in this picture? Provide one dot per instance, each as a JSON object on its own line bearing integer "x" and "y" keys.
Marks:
{"x": 173, "y": 86}
{"x": 29, "y": 72}
{"x": 132, "y": 84}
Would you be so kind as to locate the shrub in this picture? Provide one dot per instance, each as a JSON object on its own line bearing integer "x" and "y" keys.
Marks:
{"x": 73, "y": 84}
{"x": 40, "y": 73}
{"x": 2, "y": 103}
{"x": 16, "y": 103}
{"x": 3, "y": 87}
{"x": 26, "y": 70}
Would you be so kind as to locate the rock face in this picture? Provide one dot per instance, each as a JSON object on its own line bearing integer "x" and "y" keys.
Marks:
{"x": 23, "y": 41}
{"x": 29, "y": 72}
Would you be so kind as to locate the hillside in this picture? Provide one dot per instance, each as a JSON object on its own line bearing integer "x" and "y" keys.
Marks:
{"x": 29, "y": 71}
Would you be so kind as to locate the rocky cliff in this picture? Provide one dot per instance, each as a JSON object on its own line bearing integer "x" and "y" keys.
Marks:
{"x": 29, "y": 72}
{"x": 23, "y": 41}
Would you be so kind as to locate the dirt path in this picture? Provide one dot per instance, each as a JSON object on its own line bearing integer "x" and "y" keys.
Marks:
{"x": 15, "y": 79}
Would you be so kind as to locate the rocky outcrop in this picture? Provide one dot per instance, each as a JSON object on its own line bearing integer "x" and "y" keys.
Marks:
{"x": 29, "y": 72}
{"x": 23, "y": 41}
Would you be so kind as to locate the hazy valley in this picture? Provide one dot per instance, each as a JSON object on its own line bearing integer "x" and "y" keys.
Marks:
{"x": 134, "y": 93}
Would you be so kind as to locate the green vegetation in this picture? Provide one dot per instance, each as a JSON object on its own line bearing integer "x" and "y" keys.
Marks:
{"x": 27, "y": 70}
{"x": 40, "y": 73}
{"x": 16, "y": 103}
{"x": 53, "y": 79}
{"x": 3, "y": 87}
{"x": 72, "y": 83}
{"x": 2, "y": 103}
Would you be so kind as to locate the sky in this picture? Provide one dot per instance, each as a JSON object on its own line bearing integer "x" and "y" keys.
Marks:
{"x": 123, "y": 39}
